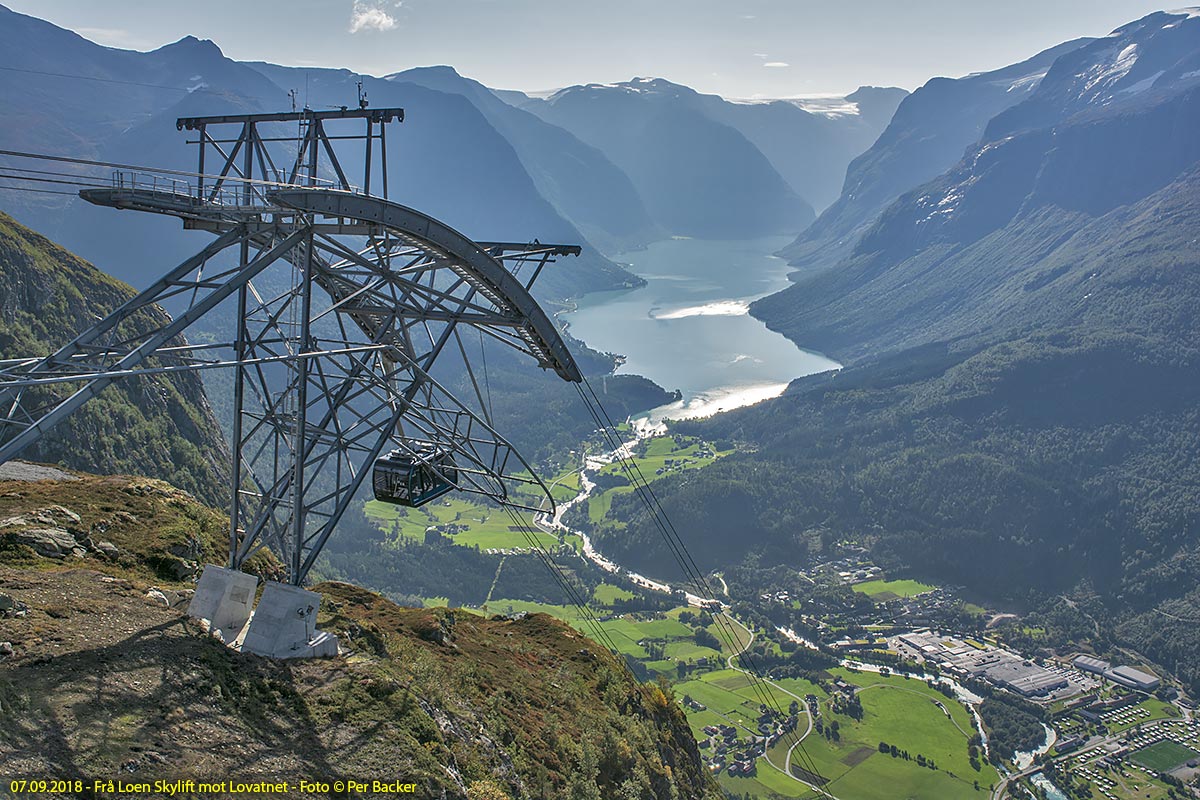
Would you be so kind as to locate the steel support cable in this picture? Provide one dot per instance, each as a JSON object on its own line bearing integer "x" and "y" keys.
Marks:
{"x": 73, "y": 177}
{"x": 487, "y": 383}
{"x": 685, "y": 561}
{"x": 37, "y": 191}
{"x": 724, "y": 629}
{"x": 187, "y": 89}
{"x": 702, "y": 583}
{"x": 723, "y": 626}
{"x": 83, "y": 182}
{"x": 193, "y": 366}
{"x": 585, "y": 613}
{"x": 58, "y": 181}
{"x": 156, "y": 170}
{"x": 639, "y": 484}
{"x": 658, "y": 513}
{"x": 639, "y": 488}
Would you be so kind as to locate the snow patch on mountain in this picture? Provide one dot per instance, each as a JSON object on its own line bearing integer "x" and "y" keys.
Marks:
{"x": 1105, "y": 73}
{"x": 1027, "y": 83}
{"x": 1142, "y": 85}
{"x": 827, "y": 106}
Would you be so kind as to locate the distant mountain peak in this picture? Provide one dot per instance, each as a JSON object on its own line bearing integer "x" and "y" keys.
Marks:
{"x": 1152, "y": 22}
{"x": 636, "y": 85}
{"x": 191, "y": 44}
{"x": 440, "y": 70}
{"x": 865, "y": 91}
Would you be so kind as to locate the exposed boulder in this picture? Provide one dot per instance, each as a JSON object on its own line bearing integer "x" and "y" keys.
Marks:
{"x": 155, "y": 595}
{"x": 49, "y": 542}
{"x": 108, "y": 549}
{"x": 11, "y": 607}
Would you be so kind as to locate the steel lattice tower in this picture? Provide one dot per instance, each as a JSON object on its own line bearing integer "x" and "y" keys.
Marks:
{"x": 338, "y": 302}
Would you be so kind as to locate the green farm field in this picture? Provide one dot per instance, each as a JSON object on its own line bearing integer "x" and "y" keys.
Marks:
{"x": 479, "y": 526}
{"x": 882, "y": 590}
{"x": 662, "y": 455}
{"x": 910, "y": 715}
{"x": 626, "y": 632}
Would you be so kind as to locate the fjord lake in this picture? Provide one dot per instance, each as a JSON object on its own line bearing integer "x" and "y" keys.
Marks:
{"x": 689, "y": 328}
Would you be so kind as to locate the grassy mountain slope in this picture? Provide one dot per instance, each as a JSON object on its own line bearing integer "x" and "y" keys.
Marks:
{"x": 160, "y": 426}
{"x": 106, "y": 682}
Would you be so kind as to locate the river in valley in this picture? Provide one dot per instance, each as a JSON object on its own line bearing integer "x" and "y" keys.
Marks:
{"x": 689, "y": 327}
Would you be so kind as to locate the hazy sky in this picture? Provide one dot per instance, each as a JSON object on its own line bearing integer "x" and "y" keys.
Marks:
{"x": 738, "y": 48}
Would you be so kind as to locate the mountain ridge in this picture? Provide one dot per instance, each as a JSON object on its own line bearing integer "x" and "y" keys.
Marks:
{"x": 963, "y": 252}
{"x": 697, "y": 175}
{"x": 577, "y": 178}
{"x": 128, "y": 116}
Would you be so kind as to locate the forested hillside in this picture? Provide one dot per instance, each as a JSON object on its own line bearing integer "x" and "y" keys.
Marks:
{"x": 1041, "y": 465}
{"x": 158, "y": 426}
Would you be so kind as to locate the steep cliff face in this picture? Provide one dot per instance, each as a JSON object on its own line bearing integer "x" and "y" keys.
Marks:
{"x": 109, "y": 680}
{"x": 162, "y": 426}
{"x": 927, "y": 135}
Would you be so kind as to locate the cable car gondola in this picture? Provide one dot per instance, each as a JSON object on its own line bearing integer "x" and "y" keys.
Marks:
{"x": 413, "y": 480}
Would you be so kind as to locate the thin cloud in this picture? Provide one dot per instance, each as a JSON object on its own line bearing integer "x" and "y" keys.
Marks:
{"x": 777, "y": 64}
{"x": 368, "y": 17}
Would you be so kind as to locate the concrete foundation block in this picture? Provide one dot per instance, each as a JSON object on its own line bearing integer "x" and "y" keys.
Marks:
{"x": 225, "y": 598}
{"x": 285, "y": 625}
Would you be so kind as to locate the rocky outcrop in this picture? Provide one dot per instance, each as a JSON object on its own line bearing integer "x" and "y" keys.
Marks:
{"x": 58, "y": 532}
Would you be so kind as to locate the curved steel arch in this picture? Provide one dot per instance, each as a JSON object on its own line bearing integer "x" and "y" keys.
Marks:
{"x": 468, "y": 258}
